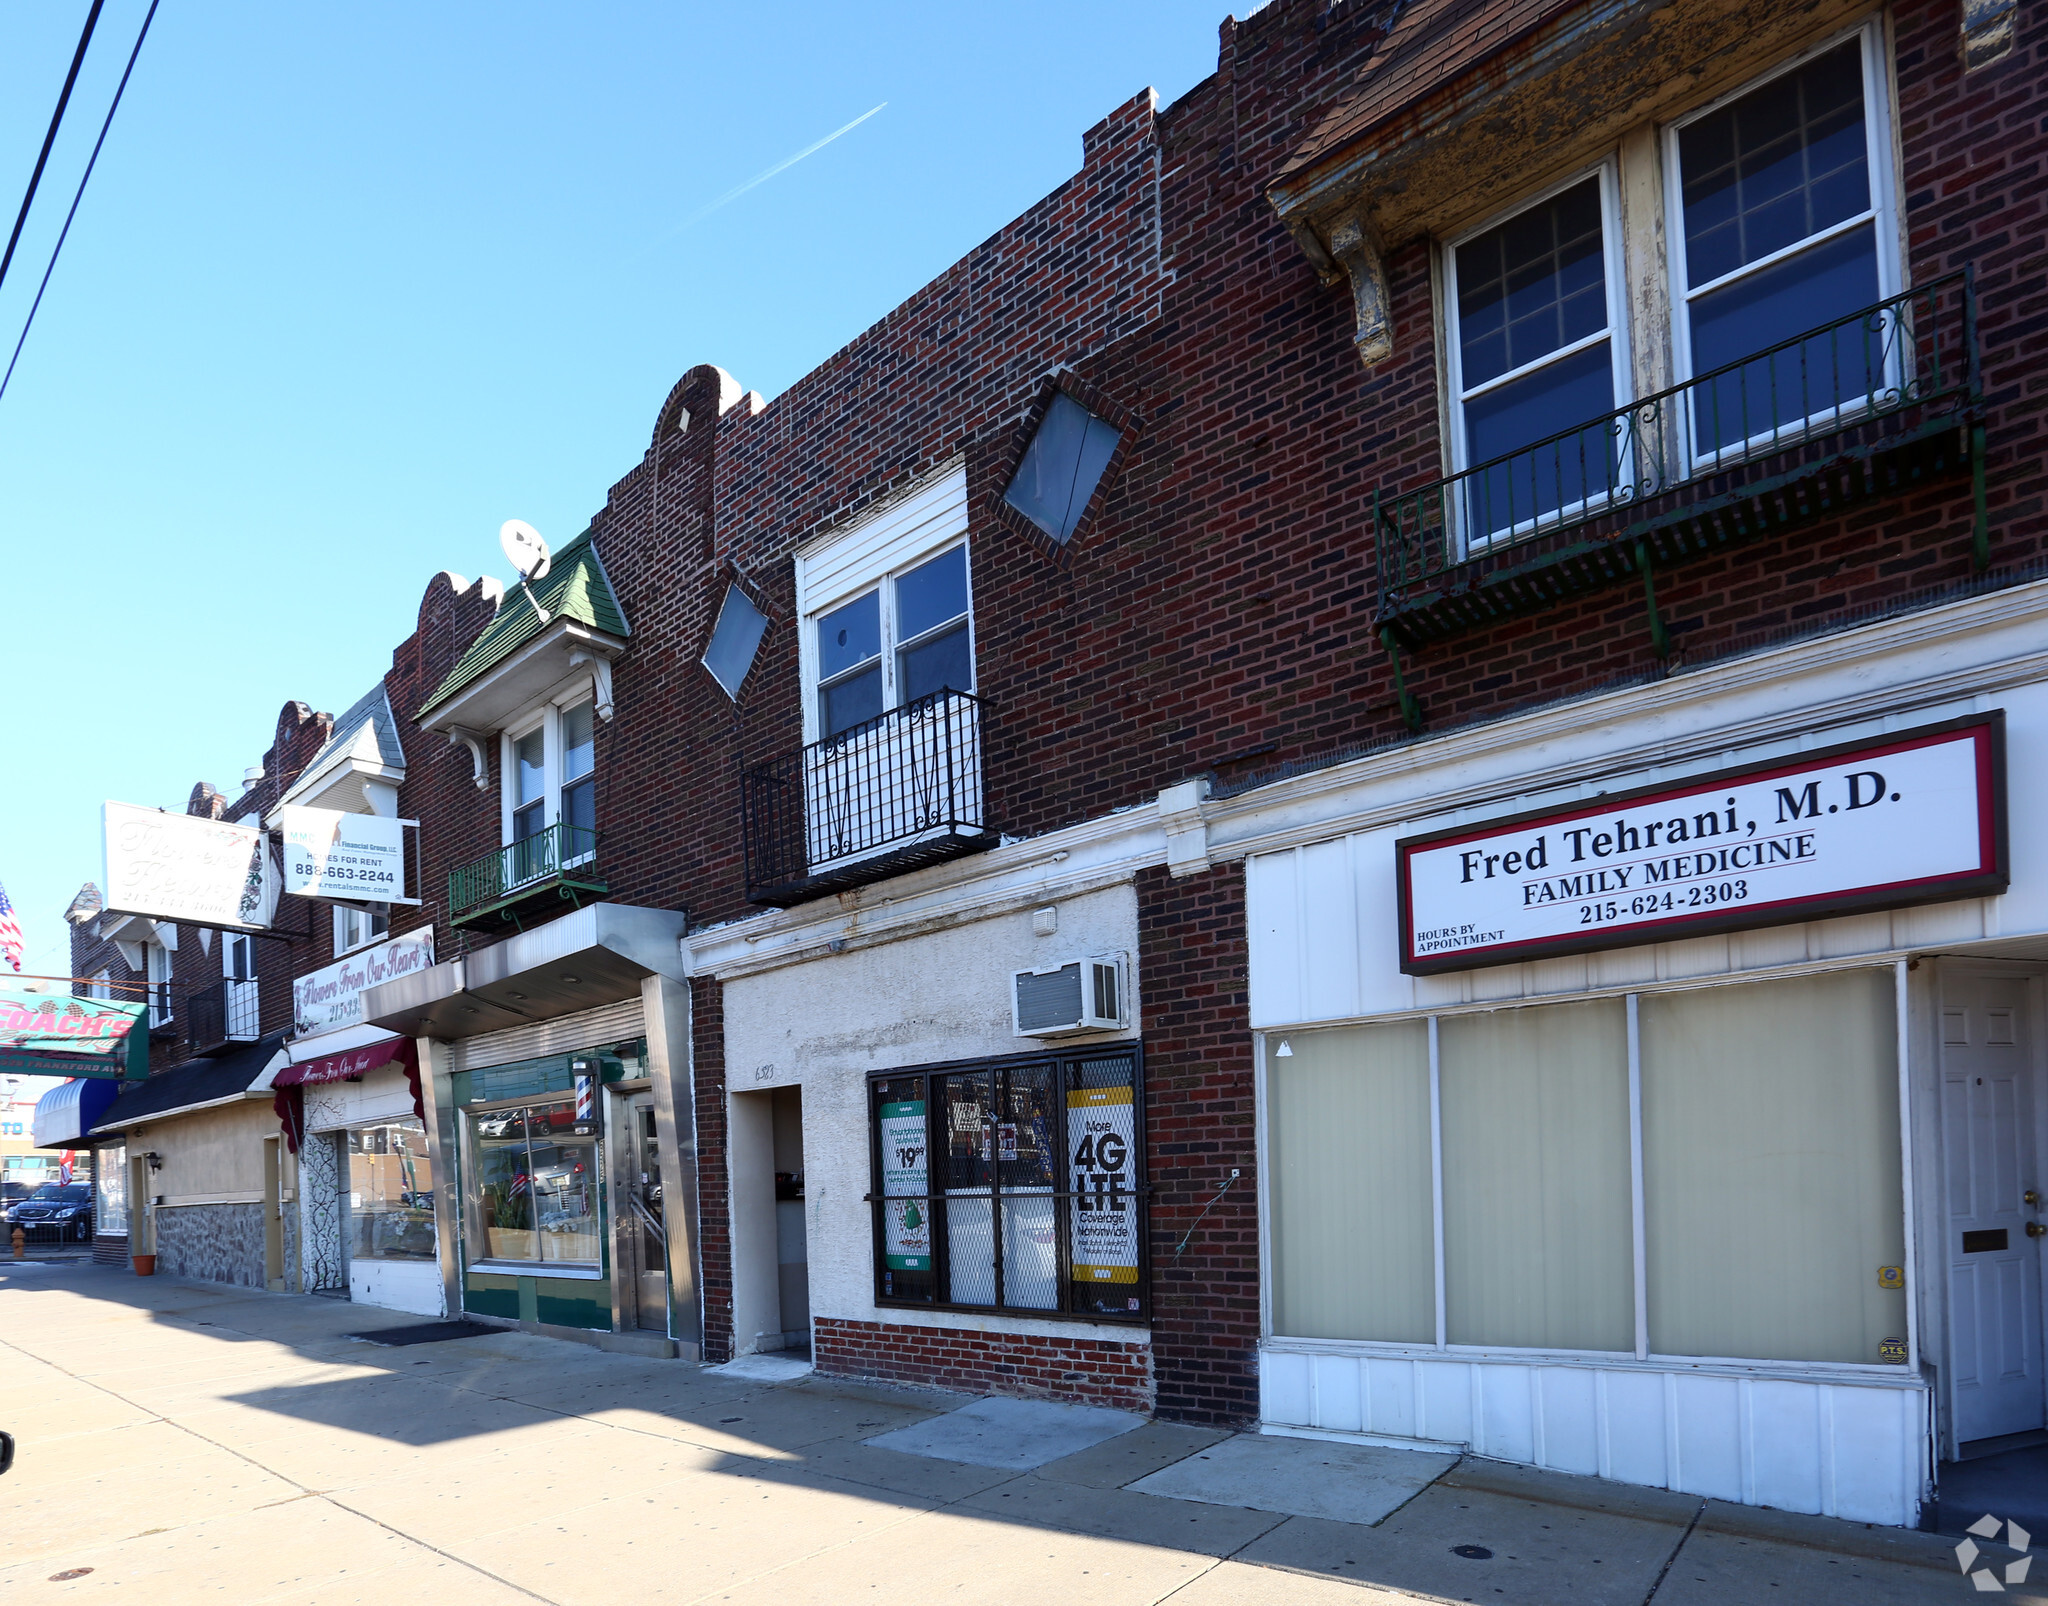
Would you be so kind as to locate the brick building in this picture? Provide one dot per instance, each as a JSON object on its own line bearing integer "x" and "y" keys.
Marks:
{"x": 1152, "y": 832}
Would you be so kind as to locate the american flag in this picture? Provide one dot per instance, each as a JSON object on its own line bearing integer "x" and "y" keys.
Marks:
{"x": 12, "y": 943}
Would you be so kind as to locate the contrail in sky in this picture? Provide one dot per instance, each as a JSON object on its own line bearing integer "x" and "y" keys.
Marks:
{"x": 784, "y": 165}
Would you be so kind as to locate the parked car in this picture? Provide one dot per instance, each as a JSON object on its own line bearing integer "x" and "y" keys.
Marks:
{"x": 54, "y": 1212}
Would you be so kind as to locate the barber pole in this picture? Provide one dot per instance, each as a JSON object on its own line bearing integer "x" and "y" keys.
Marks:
{"x": 586, "y": 1098}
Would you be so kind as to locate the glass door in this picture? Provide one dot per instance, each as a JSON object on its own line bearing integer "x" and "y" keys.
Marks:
{"x": 646, "y": 1232}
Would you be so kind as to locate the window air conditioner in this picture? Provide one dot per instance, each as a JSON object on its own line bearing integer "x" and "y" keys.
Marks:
{"x": 1084, "y": 995}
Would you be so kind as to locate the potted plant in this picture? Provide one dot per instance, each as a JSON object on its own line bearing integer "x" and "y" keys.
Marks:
{"x": 145, "y": 1265}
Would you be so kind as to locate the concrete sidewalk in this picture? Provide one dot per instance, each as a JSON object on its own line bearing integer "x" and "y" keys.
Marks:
{"x": 188, "y": 1441}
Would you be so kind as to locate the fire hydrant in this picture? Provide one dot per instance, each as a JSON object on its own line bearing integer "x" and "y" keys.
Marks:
{"x": 20, "y": 1244}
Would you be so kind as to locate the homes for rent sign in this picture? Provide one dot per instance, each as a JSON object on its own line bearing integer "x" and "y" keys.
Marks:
{"x": 1917, "y": 817}
{"x": 329, "y": 853}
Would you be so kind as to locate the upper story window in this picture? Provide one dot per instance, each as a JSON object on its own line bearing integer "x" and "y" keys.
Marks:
{"x": 909, "y": 637}
{"x": 1062, "y": 466}
{"x": 550, "y": 763}
{"x": 1536, "y": 342}
{"x": 1776, "y": 223}
{"x": 1779, "y": 231}
{"x": 358, "y": 928}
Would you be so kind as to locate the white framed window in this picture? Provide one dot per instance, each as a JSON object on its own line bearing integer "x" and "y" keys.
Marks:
{"x": 1537, "y": 343}
{"x": 238, "y": 956}
{"x": 909, "y": 637}
{"x": 156, "y": 970}
{"x": 1779, "y": 207}
{"x": 549, "y": 762}
{"x": 358, "y": 928}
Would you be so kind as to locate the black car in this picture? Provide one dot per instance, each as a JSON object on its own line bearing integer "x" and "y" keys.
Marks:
{"x": 55, "y": 1211}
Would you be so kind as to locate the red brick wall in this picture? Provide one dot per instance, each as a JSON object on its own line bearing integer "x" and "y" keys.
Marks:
{"x": 1089, "y": 1370}
{"x": 714, "y": 1218}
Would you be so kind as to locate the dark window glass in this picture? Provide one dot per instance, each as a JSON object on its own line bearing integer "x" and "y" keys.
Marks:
{"x": 937, "y": 664}
{"x": 965, "y": 1119}
{"x": 1026, "y": 1166}
{"x": 734, "y": 641}
{"x": 1837, "y": 368}
{"x": 849, "y": 636}
{"x": 1783, "y": 162}
{"x": 1533, "y": 284}
{"x": 1062, "y": 466}
{"x": 579, "y": 818}
{"x": 851, "y": 702}
{"x": 1526, "y": 410}
{"x": 931, "y": 594}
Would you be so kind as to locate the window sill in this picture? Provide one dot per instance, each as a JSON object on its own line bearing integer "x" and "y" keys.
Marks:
{"x": 577, "y": 1271}
{"x": 1136, "y": 1318}
{"x": 1869, "y": 1374}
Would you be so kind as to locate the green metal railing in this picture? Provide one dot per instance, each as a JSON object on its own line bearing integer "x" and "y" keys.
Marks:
{"x": 1914, "y": 354}
{"x": 561, "y": 856}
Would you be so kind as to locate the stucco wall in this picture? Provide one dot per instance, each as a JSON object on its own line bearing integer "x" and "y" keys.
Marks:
{"x": 823, "y": 1025}
{"x": 208, "y": 1153}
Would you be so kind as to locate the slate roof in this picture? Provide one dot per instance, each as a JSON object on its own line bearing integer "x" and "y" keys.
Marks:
{"x": 576, "y": 588}
{"x": 201, "y": 1081}
{"x": 369, "y": 730}
{"x": 1431, "y": 42}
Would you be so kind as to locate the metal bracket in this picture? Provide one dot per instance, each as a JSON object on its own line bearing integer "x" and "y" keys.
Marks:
{"x": 1660, "y": 638}
{"x": 1411, "y": 710}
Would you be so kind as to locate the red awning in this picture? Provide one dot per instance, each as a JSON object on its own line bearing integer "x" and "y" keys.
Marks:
{"x": 290, "y": 1083}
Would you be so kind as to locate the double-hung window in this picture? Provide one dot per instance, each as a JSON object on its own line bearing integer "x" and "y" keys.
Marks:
{"x": 551, "y": 785}
{"x": 909, "y": 638}
{"x": 1537, "y": 348}
{"x": 1013, "y": 1185}
{"x": 1780, "y": 227}
{"x": 358, "y": 928}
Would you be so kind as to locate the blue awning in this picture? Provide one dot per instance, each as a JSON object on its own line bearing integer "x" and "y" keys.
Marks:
{"x": 64, "y": 1115}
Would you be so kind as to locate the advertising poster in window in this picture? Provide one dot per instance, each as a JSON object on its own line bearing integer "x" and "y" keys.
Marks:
{"x": 1102, "y": 1160}
{"x": 907, "y": 1229}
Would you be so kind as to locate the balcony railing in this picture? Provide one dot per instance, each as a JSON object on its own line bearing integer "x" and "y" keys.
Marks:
{"x": 561, "y": 859}
{"x": 220, "y": 1015}
{"x": 1859, "y": 407}
{"x": 884, "y": 797}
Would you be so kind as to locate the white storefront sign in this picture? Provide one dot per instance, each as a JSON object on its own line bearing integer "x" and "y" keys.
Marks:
{"x": 331, "y": 853}
{"x": 330, "y": 998}
{"x": 186, "y": 868}
{"x": 1914, "y": 818}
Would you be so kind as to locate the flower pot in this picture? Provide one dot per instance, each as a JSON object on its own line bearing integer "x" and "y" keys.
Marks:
{"x": 145, "y": 1265}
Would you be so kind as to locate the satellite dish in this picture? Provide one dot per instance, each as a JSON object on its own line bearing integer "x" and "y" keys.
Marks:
{"x": 524, "y": 549}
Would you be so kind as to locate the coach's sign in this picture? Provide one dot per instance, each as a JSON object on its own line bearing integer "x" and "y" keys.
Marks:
{"x": 1912, "y": 818}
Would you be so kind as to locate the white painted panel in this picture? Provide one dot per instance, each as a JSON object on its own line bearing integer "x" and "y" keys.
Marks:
{"x": 1785, "y": 1431}
{"x": 1879, "y": 1435}
{"x": 396, "y": 1285}
{"x": 1390, "y": 1398}
{"x": 855, "y": 557}
{"x": 1338, "y": 1385}
{"x": 1695, "y": 956}
{"x": 1446, "y": 1409}
{"x": 1634, "y": 1427}
{"x": 1709, "y": 1437}
{"x": 1329, "y": 930}
{"x": 1852, "y": 934}
{"x": 1507, "y": 1403}
{"x": 1273, "y": 934}
{"x": 1568, "y": 1413}
{"x": 1284, "y": 1388}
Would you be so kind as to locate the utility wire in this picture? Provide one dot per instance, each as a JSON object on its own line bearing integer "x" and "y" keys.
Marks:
{"x": 65, "y": 232}
{"x": 77, "y": 60}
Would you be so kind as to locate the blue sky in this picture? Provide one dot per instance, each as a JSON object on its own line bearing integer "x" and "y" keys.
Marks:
{"x": 352, "y": 285}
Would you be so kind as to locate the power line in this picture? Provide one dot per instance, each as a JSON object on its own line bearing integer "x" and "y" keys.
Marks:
{"x": 64, "y": 233}
{"x": 49, "y": 139}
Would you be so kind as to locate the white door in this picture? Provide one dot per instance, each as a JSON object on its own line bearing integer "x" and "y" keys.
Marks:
{"x": 1988, "y": 1074}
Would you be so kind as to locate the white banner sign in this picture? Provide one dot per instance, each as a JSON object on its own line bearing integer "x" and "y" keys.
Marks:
{"x": 1915, "y": 818}
{"x": 332, "y": 997}
{"x": 183, "y": 867}
{"x": 1102, "y": 1165}
{"x": 329, "y": 853}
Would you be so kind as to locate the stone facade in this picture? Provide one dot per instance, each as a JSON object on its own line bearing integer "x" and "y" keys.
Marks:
{"x": 214, "y": 1243}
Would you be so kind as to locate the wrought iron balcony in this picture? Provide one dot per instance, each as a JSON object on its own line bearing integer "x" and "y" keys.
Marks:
{"x": 886, "y": 796}
{"x": 220, "y": 1016}
{"x": 561, "y": 860}
{"x": 1862, "y": 407}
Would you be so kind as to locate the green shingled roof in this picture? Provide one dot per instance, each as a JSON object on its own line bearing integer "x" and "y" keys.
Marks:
{"x": 575, "y": 588}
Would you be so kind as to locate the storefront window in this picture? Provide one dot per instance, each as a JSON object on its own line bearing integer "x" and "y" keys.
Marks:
{"x": 1015, "y": 1185}
{"x": 390, "y": 1193}
{"x": 535, "y": 1196}
{"x": 110, "y": 1208}
{"x": 1762, "y": 1105}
